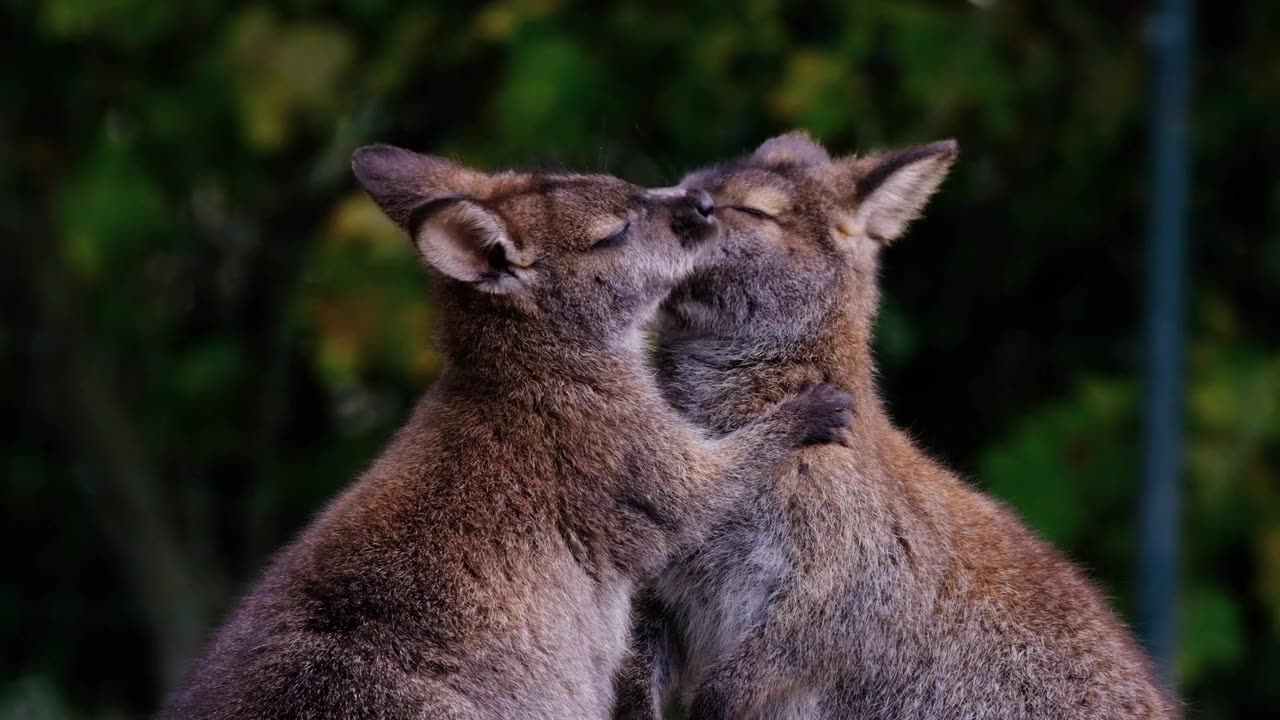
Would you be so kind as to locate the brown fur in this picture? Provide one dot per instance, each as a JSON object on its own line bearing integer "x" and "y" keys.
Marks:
{"x": 484, "y": 566}
{"x": 868, "y": 581}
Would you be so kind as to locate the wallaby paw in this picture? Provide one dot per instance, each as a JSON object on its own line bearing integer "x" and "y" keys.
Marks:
{"x": 822, "y": 412}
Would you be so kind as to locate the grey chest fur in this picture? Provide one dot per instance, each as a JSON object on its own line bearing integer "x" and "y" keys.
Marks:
{"x": 718, "y": 593}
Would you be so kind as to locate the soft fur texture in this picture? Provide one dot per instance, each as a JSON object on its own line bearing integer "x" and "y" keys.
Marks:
{"x": 868, "y": 581}
{"x": 484, "y": 566}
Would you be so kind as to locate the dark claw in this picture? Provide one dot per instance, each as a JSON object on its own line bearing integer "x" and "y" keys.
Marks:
{"x": 827, "y": 409}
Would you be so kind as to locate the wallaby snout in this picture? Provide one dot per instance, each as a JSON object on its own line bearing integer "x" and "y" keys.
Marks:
{"x": 693, "y": 219}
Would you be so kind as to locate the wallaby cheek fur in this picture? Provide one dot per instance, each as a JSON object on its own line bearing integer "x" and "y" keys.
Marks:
{"x": 484, "y": 566}
{"x": 867, "y": 581}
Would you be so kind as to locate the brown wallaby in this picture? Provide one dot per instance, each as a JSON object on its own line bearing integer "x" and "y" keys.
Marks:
{"x": 867, "y": 581}
{"x": 484, "y": 566}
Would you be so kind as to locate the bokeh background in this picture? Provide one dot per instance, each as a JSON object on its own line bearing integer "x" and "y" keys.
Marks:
{"x": 207, "y": 330}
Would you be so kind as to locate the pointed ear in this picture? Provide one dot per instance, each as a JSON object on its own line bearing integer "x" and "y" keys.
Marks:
{"x": 793, "y": 148}
{"x": 890, "y": 188}
{"x": 432, "y": 200}
{"x": 400, "y": 180}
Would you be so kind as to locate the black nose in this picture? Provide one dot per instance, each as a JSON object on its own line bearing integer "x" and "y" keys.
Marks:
{"x": 702, "y": 201}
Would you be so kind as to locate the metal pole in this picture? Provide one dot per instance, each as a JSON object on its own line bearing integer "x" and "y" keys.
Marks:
{"x": 1165, "y": 308}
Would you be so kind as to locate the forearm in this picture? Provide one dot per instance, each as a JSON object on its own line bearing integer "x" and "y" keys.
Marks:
{"x": 646, "y": 677}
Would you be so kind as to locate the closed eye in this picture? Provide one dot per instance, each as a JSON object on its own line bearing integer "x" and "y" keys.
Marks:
{"x": 613, "y": 240}
{"x": 752, "y": 212}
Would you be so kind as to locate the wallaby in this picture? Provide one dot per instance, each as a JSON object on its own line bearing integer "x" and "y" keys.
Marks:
{"x": 867, "y": 581}
{"x": 484, "y": 566}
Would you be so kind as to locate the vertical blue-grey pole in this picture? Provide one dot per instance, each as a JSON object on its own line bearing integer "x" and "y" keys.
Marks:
{"x": 1165, "y": 308}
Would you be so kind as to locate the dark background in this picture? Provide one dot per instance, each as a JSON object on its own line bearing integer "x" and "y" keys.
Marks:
{"x": 207, "y": 330}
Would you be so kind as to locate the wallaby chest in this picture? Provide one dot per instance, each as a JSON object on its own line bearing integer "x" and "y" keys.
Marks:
{"x": 723, "y": 589}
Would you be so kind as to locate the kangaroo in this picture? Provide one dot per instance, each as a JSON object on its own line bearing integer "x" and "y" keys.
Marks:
{"x": 484, "y": 565}
{"x": 866, "y": 581}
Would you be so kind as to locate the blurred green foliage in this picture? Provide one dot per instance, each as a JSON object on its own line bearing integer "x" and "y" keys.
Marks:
{"x": 207, "y": 330}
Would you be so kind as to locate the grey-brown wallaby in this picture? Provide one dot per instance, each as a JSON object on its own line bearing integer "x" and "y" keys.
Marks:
{"x": 484, "y": 566}
{"x": 867, "y": 581}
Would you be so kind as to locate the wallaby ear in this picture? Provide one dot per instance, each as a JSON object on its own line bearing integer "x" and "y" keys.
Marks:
{"x": 890, "y": 188}
{"x": 793, "y": 148}
{"x": 467, "y": 242}
{"x": 400, "y": 180}
{"x": 432, "y": 200}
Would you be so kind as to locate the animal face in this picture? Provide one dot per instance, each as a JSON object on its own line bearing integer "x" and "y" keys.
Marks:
{"x": 591, "y": 253}
{"x": 801, "y": 235}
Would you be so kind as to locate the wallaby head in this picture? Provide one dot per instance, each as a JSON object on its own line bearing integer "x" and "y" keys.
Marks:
{"x": 576, "y": 259}
{"x": 802, "y": 232}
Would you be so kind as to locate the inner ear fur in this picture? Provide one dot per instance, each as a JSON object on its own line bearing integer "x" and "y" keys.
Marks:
{"x": 889, "y": 189}
{"x": 466, "y": 241}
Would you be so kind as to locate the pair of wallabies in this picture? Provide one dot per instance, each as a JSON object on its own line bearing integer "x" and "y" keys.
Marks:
{"x": 571, "y": 527}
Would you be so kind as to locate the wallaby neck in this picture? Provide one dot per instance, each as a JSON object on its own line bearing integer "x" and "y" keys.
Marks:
{"x": 724, "y": 383}
{"x": 488, "y": 342}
